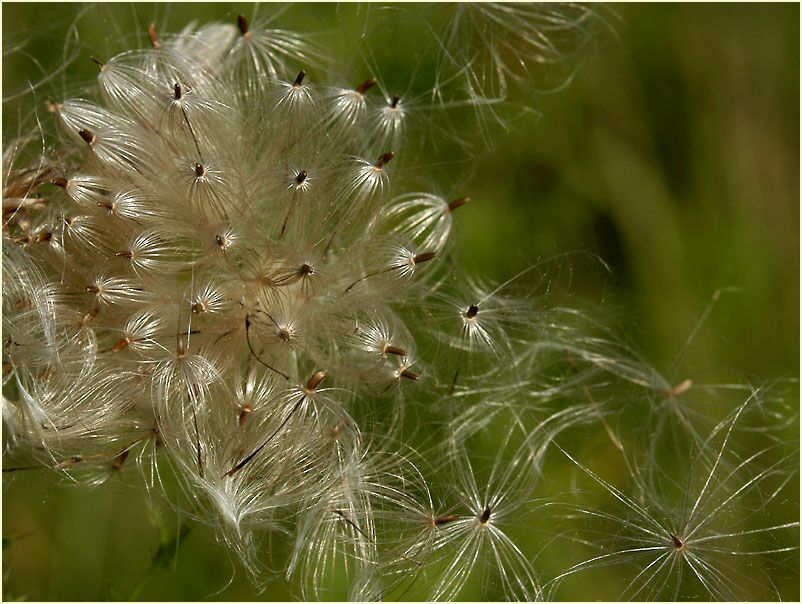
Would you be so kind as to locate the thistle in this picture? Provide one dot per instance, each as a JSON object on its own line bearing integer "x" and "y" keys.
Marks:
{"x": 222, "y": 275}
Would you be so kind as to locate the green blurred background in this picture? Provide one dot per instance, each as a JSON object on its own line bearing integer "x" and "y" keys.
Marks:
{"x": 673, "y": 155}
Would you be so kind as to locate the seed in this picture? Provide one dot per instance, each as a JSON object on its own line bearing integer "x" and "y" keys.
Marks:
{"x": 384, "y": 159}
{"x": 242, "y": 23}
{"x": 444, "y": 519}
{"x": 87, "y": 135}
{"x": 366, "y": 85}
{"x": 457, "y": 203}
{"x": 153, "y": 37}
{"x": 406, "y": 373}
{"x": 314, "y": 381}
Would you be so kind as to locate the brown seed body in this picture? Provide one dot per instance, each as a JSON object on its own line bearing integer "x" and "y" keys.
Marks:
{"x": 440, "y": 520}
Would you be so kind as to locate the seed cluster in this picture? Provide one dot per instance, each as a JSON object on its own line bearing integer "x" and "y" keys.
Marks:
{"x": 218, "y": 277}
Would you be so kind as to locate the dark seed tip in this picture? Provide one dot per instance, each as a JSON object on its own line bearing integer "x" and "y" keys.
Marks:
{"x": 70, "y": 461}
{"x": 117, "y": 465}
{"x": 121, "y": 344}
{"x": 314, "y": 381}
{"x": 410, "y": 375}
{"x": 87, "y": 135}
{"x": 384, "y": 159}
{"x": 424, "y": 257}
{"x": 366, "y": 85}
{"x": 444, "y": 519}
{"x": 300, "y": 79}
{"x": 153, "y": 36}
{"x": 457, "y": 203}
{"x": 242, "y": 23}
{"x": 473, "y": 310}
